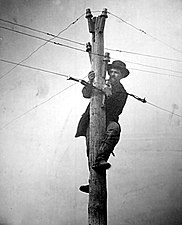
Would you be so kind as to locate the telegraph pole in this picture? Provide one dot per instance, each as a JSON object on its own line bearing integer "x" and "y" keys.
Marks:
{"x": 97, "y": 206}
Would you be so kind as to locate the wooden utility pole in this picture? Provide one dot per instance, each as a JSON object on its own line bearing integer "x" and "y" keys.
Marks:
{"x": 97, "y": 206}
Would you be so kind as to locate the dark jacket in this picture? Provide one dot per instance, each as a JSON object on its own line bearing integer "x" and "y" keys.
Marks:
{"x": 114, "y": 107}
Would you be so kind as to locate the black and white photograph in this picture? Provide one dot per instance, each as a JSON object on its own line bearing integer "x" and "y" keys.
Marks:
{"x": 90, "y": 112}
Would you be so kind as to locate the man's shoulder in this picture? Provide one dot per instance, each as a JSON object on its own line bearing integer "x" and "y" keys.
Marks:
{"x": 119, "y": 88}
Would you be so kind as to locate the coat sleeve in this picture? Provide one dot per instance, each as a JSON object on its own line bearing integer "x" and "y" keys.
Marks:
{"x": 87, "y": 92}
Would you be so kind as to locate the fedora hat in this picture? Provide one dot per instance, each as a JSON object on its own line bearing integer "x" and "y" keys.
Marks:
{"x": 117, "y": 64}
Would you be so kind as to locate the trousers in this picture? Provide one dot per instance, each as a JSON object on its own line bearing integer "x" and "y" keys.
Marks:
{"x": 111, "y": 138}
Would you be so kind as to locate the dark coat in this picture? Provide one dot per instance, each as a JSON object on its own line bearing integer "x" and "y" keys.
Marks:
{"x": 114, "y": 107}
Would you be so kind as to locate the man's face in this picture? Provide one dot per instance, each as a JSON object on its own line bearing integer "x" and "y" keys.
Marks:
{"x": 116, "y": 75}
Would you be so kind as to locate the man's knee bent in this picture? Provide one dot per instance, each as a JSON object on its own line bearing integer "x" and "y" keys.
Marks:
{"x": 114, "y": 128}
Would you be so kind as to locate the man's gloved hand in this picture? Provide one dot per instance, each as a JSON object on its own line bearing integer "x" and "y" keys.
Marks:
{"x": 91, "y": 76}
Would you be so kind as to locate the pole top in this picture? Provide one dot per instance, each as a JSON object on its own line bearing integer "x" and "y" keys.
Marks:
{"x": 88, "y": 14}
{"x": 104, "y": 13}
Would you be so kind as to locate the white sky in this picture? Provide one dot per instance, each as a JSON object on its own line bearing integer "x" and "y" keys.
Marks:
{"x": 33, "y": 146}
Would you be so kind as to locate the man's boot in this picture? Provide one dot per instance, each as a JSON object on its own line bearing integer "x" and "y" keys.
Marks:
{"x": 101, "y": 160}
{"x": 84, "y": 188}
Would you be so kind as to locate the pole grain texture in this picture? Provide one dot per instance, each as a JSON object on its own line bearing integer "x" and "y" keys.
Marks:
{"x": 97, "y": 206}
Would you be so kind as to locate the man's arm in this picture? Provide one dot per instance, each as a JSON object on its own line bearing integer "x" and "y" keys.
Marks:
{"x": 87, "y": 91}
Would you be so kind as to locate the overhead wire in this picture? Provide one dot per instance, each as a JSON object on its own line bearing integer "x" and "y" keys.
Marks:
{"x": 82, "y": 44}
{"x": 67, "y": 76}
{"x": 143, "y": 100}
{"x": 72, "y": 23}
{"x": 145, "y": 55}
{"x": 50, "y": 40}
{"x": 154, "y": 67}
{"x": 58, "y": 93}
{"x": 144, "y": 32}
{"x": 78, "y": 49}
{"x": 36, "y": 106}
{"x": 156, "y": 73}
{"x": 55, "y": 73}
{"x": 42, "y": 32}
{"x": 59, "y": 74}
{"x": 34, "y": 68}
{"x": 63, "y": 75}
{"x": 165, "y": 110}
{"x": 42, "y": 39}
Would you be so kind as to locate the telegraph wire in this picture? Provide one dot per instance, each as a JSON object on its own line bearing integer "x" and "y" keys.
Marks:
{"x": 67, "y": 76}
{"x": 165, "y": 110}
{"x": 153, "y": 72}
{"x": 34, "y": 68}
{"x": 53, "y": 96}
{"x": 55, "y": 73}
{"x": 143, "y": 100}
{"x": 144, "y": 32}
{"x": 78, "y": 49}
{"x": 31, "y": 67}
{"x": 34, "y": 107}
{"x": 42, "y": 70}
{"x": 83, "y": 50}
{"x": 146, "y": 55}
{"x": 82, "y": 44}
{"x": 43, "y": 39}
{"x": 57, "y": 43}
{"x": 43, "y": 45}
{"x": 63, "y": 75}
{"x": 154, "y": 67}
{"x": 157, "y": 73}
{"x": 42, "y": 32}
{"x": 59, "y": 74}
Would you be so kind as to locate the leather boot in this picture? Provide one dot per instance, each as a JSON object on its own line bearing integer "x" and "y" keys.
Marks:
{"x": 101, "y": 160}
{"x": 84, "y": 188}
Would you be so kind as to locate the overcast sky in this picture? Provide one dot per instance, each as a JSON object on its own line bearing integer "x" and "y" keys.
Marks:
{"x": 36, "y": 146}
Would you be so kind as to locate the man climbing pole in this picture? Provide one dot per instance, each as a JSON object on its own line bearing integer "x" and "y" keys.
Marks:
{"x": 115, "y": 100}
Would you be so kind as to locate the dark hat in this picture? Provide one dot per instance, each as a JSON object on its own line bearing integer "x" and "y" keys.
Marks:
{"x": 119, "y": 65}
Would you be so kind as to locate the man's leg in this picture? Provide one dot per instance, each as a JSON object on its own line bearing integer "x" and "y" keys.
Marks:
{"x": 107, "y": 146}
{"x": 85, "y": 188}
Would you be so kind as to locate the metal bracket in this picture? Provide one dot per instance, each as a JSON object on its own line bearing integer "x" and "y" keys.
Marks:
{"x": 89, "y": 50}
{"x": 102, "y": 19}
{"x": 91, "y": 24}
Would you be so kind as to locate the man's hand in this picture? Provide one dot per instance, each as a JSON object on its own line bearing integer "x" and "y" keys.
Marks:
{"x": 91, "y": 76}
{"x": 107, "y": 90}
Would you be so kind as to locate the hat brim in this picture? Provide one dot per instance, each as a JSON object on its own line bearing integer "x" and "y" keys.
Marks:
{"x": 126, "y": 71}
